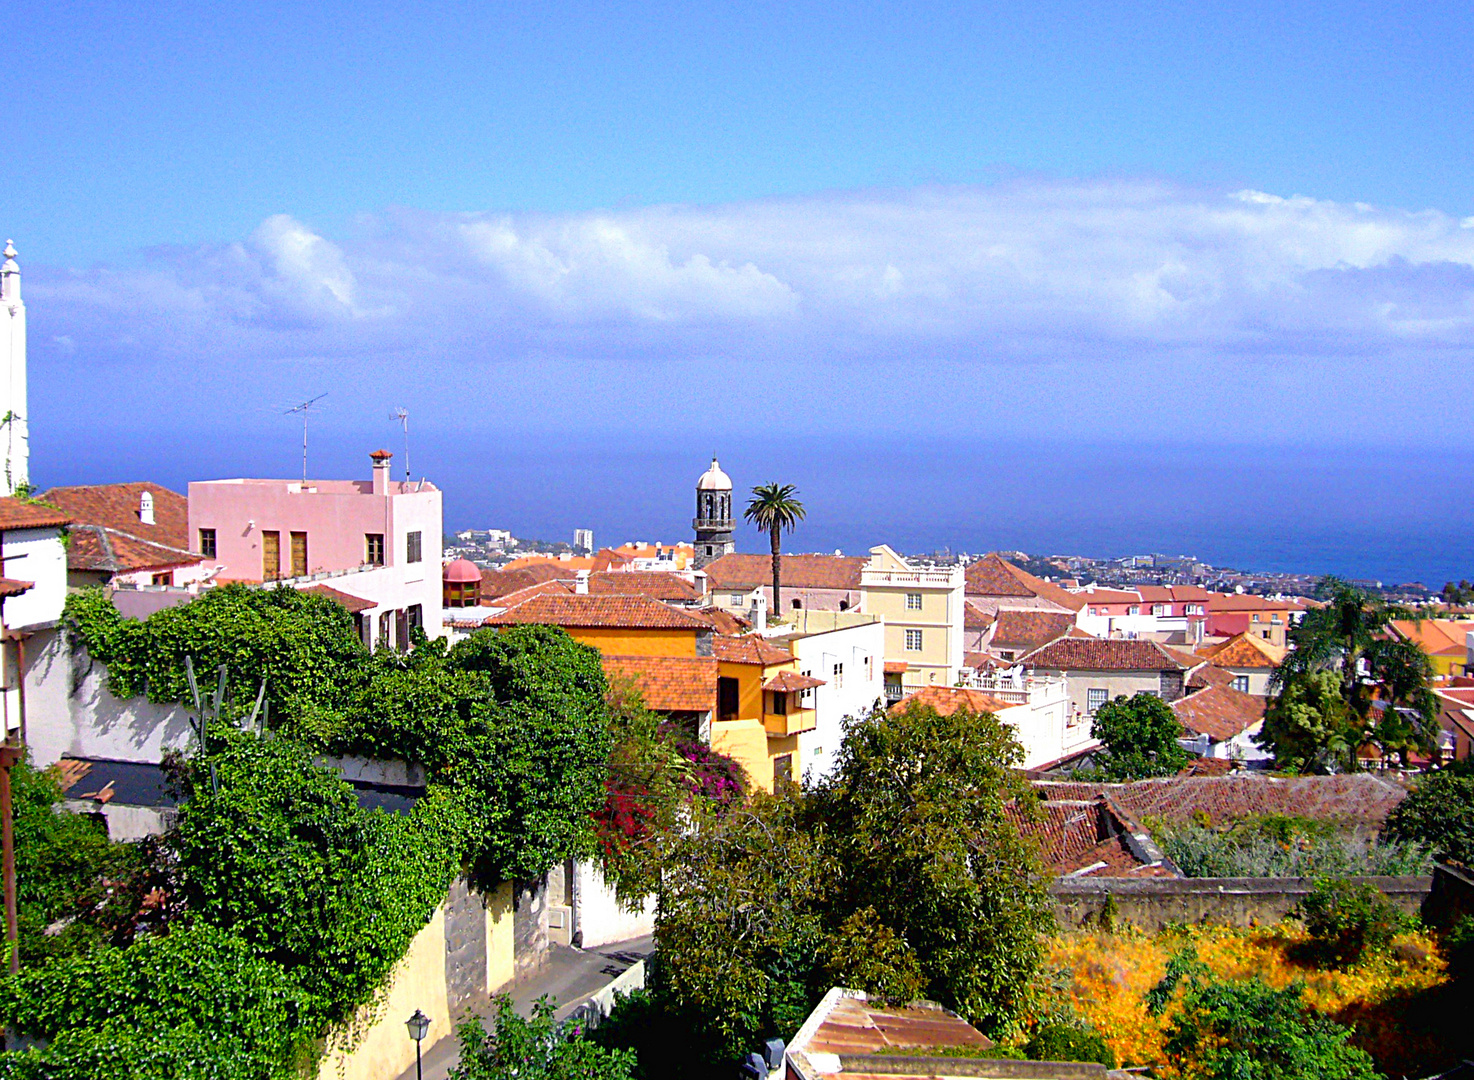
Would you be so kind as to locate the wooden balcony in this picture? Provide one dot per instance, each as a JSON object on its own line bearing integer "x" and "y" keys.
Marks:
{"x": 793, "y": 722}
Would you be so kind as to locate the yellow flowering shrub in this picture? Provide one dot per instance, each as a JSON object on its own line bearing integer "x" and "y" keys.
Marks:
{"x": 1105, "y": 977}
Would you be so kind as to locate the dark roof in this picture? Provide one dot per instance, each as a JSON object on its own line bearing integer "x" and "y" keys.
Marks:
{"x": 841, "y": 572}
{"x": 1219, "y": 712}
{"x": 658, "y": 584}
{"x": 116, "y": 506}
{"x": 19, "y": 514}
{"x": 1030, "y": 629}
{"x": 98, "y": 548}
{"x": 626, "y": 612}
{"x": 1104, "y": 654}
{"x": 128, "y": 783}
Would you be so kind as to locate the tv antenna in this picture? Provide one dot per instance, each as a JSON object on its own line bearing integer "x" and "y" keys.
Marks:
{"x": 305, "y": 408}
{"x": 402, "y": 415}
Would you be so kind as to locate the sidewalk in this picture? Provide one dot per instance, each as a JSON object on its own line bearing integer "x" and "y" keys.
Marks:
{"x": 570, "y": 977}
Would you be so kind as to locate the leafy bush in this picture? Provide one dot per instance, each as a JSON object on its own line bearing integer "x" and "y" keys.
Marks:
{"x": 534, "y": 1049}
{"x": 866, "y": 954}
{"x": 1068, "y": 1042}
{"x": 1348, "y": 920}
{"x": 1439, "y": 814}
{"x": 1281, "y": 846}
{"x": 1248, "y": 1031}
{"x": 1140, "y": 734}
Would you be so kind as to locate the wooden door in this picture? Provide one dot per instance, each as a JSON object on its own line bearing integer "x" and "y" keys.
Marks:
{"x": 299, "y": 554}
{"x": 270, "y": 556}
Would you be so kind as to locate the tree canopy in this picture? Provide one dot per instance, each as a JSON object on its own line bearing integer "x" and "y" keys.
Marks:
{"x": 1439, "y": 814}
{"x": 1140, "y": 735}
{"x": 774, "y": 508}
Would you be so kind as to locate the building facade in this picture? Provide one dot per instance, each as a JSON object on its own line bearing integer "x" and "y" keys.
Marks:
{"x": 922, "y": 611}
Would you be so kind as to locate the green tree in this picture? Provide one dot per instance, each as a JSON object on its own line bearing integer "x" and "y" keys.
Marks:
{"x": 536, "y": 1048}
{"x": 1248, "y": 1031}
{"x": 1352, "y": 638}
{"x": 1348, "y": 921}
{"x": 919, "y": 814}
{"x": 1309, "y": 727}
{"x": 773, "y": 509}
{"x": 1439, "y": 814}
{"x": 1140, "y": 734}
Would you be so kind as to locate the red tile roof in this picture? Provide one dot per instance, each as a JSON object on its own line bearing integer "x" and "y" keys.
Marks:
{"x": 354, "y": 604}
{"x": 723, "y": 621}
{"x": 654, "y": 583}
{"x": 1244, "y": 651}
{"x": 99, "y": 549}
{"x": 994, "y": 575}
{"x": 1030, "y": 629}
{"x": 895, "y": 667}
{"x": 870, "y": 1036}
{"x": 839, "y": 572}
{"x": 1209, "y": 675}
{"x": 975, "y": 618}
{"x": 668, "y": 683}
{"x": 12, "y": 587}
{"x": 623, "y": 612}
{"x": 947, "y": 700}
{"x": 1110, "y": 596}
{"x": 1219, "y": 712}
{"x": 19, "y": 514}
{"x": 117, "y": 507}
{"x": 542, "y": 588}
{"x": 791, "y": 681}
{"x": 1251, "y": 602}
{"x": 748, "y": 649}
{"x": 1104, "y": 654}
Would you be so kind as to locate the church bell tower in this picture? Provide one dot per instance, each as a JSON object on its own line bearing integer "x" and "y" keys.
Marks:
{"x": 713, "y": 515}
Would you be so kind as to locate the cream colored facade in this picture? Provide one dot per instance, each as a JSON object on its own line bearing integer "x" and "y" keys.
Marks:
{"x": 922, "y": 610}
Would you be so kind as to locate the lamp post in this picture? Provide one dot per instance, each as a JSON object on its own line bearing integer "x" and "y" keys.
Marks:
{"x": 418, "y": 1025}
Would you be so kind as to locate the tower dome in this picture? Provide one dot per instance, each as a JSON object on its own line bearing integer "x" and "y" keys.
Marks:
{"x": 461, "y": 584}
{"x": 714, "y": 479}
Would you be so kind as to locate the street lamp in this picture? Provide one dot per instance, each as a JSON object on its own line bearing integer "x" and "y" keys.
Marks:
{"x": 418, "y": 1025}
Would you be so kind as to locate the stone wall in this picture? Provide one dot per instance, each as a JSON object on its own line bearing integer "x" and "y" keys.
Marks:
{"x": 530, "y": 922}
{"x": 1153, "y": 903}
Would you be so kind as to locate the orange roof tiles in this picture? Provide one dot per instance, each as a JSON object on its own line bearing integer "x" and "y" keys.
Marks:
{"x": 660, "y": 584}
{"x": 974, "y": 617}
{"x": 1243, "y": 651}
{"x": 723, "y": 621}
{"x": 994, "y": 575}
{"x": 947, "y": 700}
{"x": 1030, "y": 629}
{"x": 19, "y": 514}
{"x": 668, "y": 683}
{"x": 13, "y": 587}
{"x": 571, "y": 566}
{"x": 542, "y": 588}
{"x": 1104, "y": 654}
{"x": 838, "y": 572}
{"x": 788, "y": 682}
{"x": 1436, "y": 637}
{"x": 748, "y": 649}
{"x": 1219, "y": 712}
{"x": 100, "y": 549}
{"x": 117, "y": 506}
{"x": 354, "y": 604}
{"x": 624, "y": 612}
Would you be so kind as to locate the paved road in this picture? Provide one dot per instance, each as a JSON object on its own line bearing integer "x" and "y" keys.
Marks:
{"x": 569, "y": 976}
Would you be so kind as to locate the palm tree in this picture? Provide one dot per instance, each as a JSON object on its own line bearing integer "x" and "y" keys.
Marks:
{"x": 772, "y": 509}
{"x": 1352, "y": 638}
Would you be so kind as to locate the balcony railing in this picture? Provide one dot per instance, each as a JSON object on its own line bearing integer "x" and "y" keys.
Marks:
{"x": 791, "y": 723}
{"x": 725, "y": 524}
{"x": 944, "y": 578}
{"x": 1014, "y": 686}
{"x": 894, "y": 692}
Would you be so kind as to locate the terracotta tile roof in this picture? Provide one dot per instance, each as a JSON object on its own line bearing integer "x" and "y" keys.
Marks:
{"x": 840, "y": 572}
{"x": 542, "y": 588}
{"x": 1155, "y": 594}
{"x": 668, "y": 683}
{"x": 496, "y": 583}
{"x": 859, "y": 1029}
{"x": 658, "y": 584}
{"x": 1110, "y": 596}
{"x": 993, "y": 575}
{"x": 947, "y": 700}
{"x": 1104, "y": 654}
{"x": 723, "y": 621}
{"x": 895, "y": 667}
{"x": 979, "y": 661}
{"x": 13, "y": 587}
{"x": 1195, "y": 593}
{"x": 100, "y": 549}
{"x": 791, "y": 681}
{"x": 1186, "y": 657}
{"x": 1252, "y": 602}
{"x": 625, "y": 612}
{"x": 975, "y": 618}
{"x": 1243, "y": 651}
{"x": 1209, "y": 675}
{"x": 117, "y": 507}
{"x": 748, "y": 649}
{"x": 551, "y": 563}
{"x": 1436, "y": 637}
{"x": 19, "y": 514}
{"x": 354, "y": 604}
{"x": 1030, "y": 629}
{"x": 1351, "y": 799}
{"x": 1219, "y": 712}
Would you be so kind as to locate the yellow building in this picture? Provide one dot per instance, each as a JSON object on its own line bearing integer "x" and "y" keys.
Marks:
{"x": 1444, "y": 640}
{"x": 763, "y": 707}
{"x": 923, "y": 613}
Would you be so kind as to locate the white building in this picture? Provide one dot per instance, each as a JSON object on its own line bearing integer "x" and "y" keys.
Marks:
{"x": 14, "y": 411}
{"x": 33, "y": 588}
{"x": 847, "y": 650}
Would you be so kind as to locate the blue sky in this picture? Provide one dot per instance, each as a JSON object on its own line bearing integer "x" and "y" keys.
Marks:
{"x": 1185, "y": 224}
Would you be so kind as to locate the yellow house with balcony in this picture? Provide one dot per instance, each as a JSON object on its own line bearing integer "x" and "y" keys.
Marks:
{"x": 923, "y": 613}
{"x": 764, "y": 707}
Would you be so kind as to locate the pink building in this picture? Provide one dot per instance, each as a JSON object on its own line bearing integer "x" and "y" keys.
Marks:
{"x": 376, "y": 541}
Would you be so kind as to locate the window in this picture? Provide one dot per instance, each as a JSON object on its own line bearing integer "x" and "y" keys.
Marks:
{"x": 1241, "y": 683}
{"x": 869, "y": 668}
{"x": 412, "y": 547}
{"x": 798, "y": 604}
{"x": 270, "y": 556}
{"x": 207, "y": 543}
{"x": 736, "y": 599}
{"x": 844, "y": 605}
{"x": 780, "y": 703}
{"x": 1095, "y": 697}
{"x": 1135, "y": 610}
{"x": 415, "y": 616}
{"x": 1274, "y": 618}
{"x": 913, "y": 601}
{"x": 299, "y": 554}
{"x": 727, "y": 699}
{"x": 373, "y": 549}
{"x": 1094, "y": 612}
{"x": 783, "y": 768}
{"x": 166, "y": 578}
{"x": 1160, "y": 609}
{"x": 913, "y": 640}
{"x": 838, "y": 676}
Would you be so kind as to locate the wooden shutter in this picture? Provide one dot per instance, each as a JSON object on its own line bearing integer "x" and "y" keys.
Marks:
{"x": 299, "y": 554}
{"x": 270, "y": 556}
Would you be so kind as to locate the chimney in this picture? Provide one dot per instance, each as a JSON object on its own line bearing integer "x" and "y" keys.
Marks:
{"x": 758, "y": 613}
{"x": 146, "y": 508}
{"x": 380, "y": 459}
{"x": 581, "y": 582}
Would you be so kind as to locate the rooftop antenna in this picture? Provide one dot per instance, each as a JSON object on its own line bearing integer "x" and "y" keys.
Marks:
{"x": 402, "y": 415}
{"x": 305, "y": 408}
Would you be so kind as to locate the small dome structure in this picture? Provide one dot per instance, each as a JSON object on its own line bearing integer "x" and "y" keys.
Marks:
{"x": 714, "y": 479}
{"x": 460, "y": 584}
